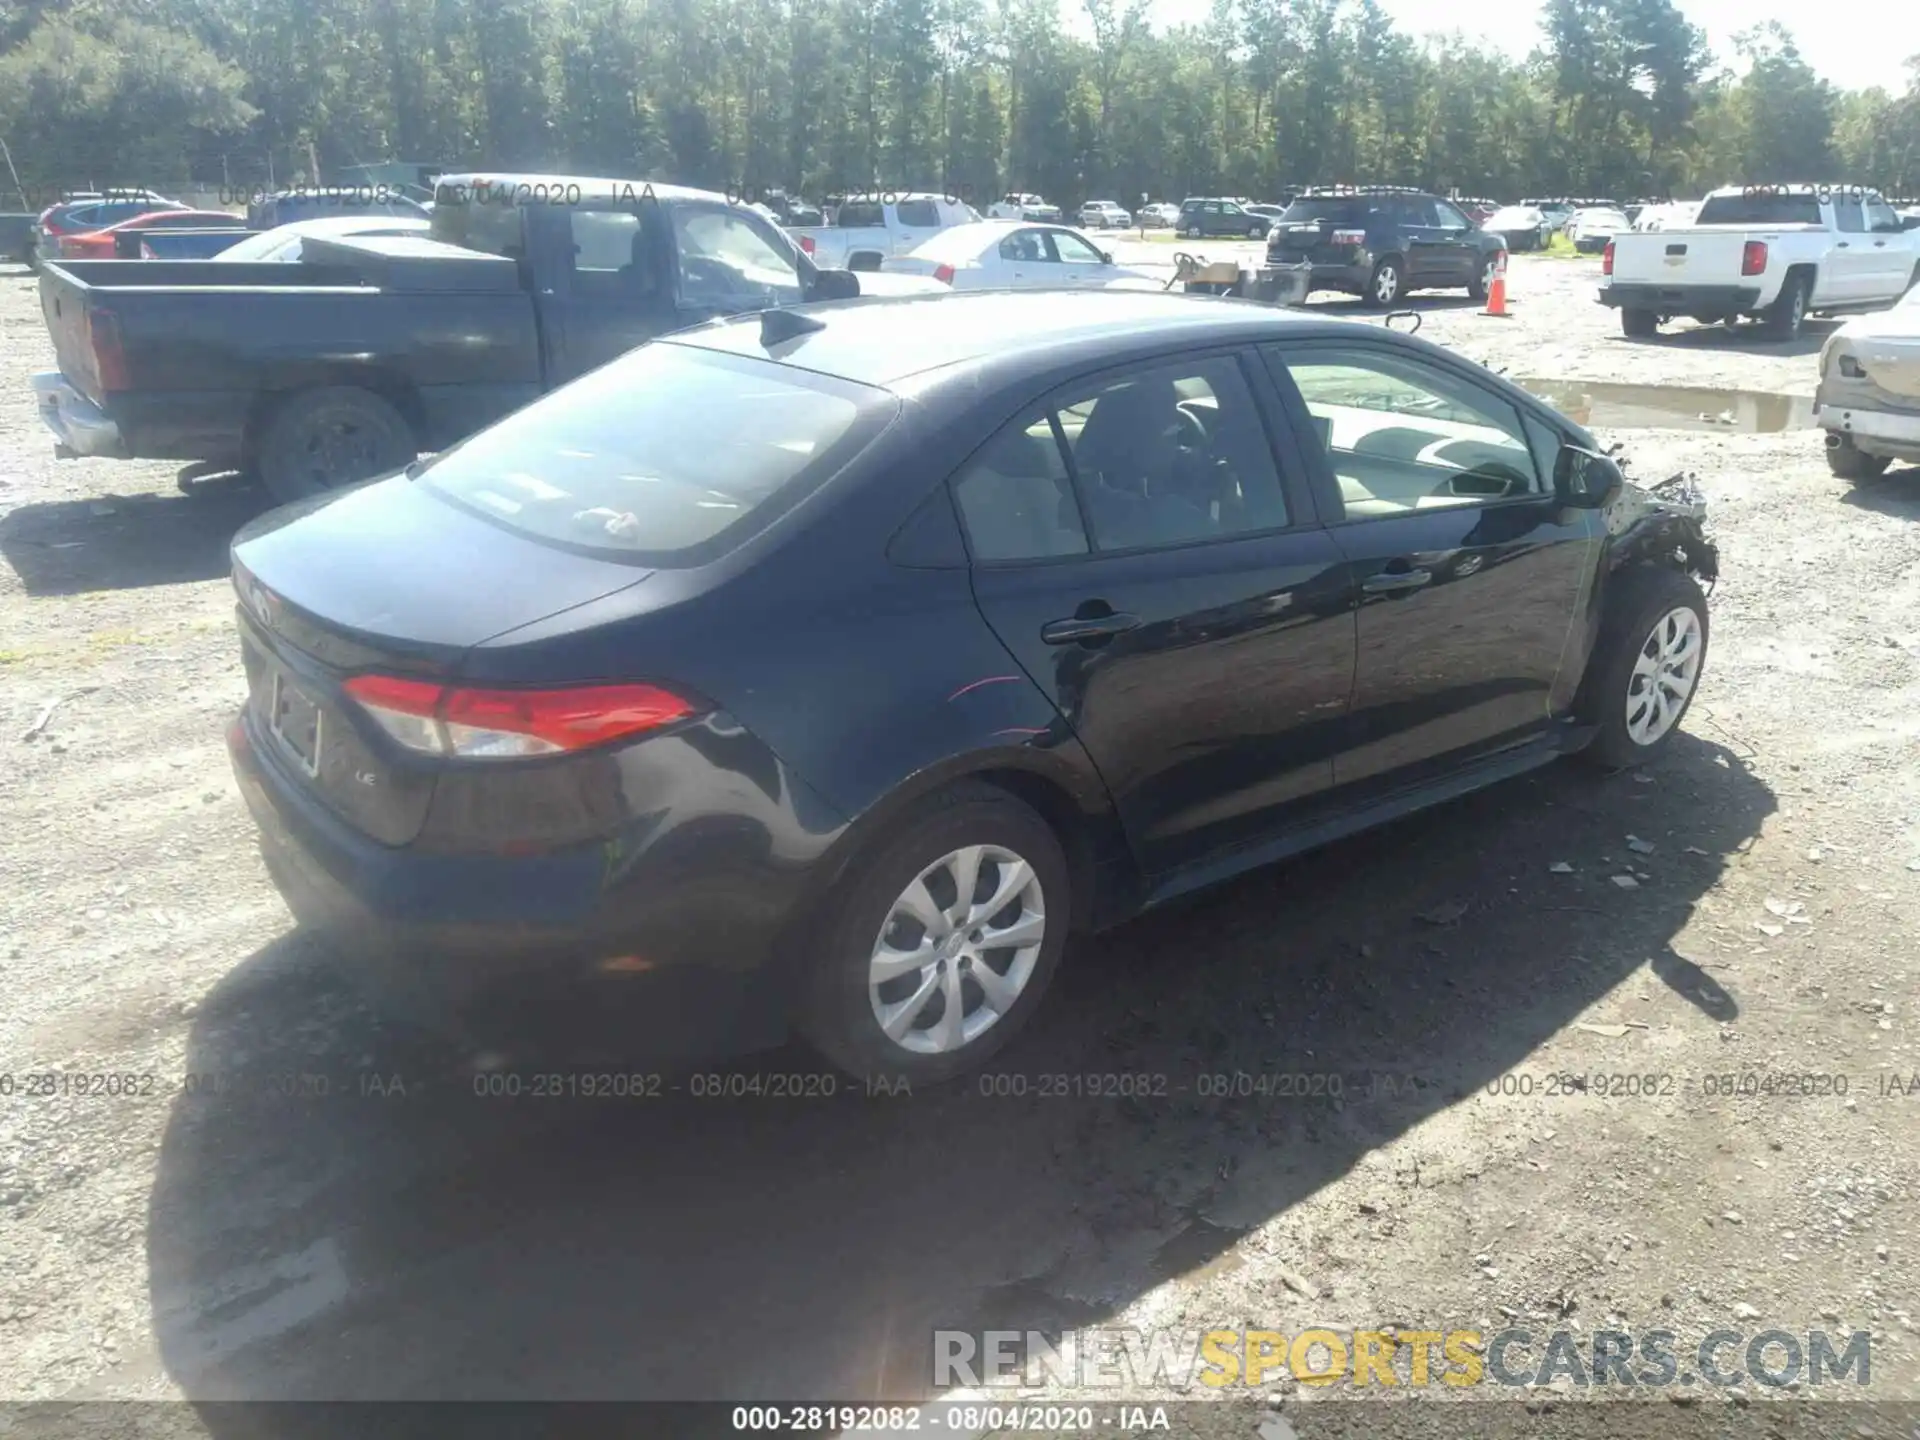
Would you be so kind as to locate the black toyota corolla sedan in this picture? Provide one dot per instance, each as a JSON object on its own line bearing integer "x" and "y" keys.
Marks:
{"x": 821, "y": 672}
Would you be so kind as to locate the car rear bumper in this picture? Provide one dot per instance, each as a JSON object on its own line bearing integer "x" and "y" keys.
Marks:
{"x": 661, "y": 942}
{"x": 1682, "y": 299}
{"x": 1878, "y": 432}
{"x": 1350, "y": 277}
{"x": 79, "y": 426}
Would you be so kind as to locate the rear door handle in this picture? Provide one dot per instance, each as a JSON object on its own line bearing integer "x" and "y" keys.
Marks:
{"x": 1389, "y": 582}
{"x": 1087, "y": 627}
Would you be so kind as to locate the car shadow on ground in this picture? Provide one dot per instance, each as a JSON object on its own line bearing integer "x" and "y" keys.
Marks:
{"x": 1895, "y": 493}
{"x": 1747, "y": 337}
{"x": 1353, "y": 306}
{"x": 450, "y": 1243}
{"x": 128, "y": 542}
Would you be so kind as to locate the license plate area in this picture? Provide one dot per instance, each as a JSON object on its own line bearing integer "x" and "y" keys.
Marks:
{"x": 296, "y": 722}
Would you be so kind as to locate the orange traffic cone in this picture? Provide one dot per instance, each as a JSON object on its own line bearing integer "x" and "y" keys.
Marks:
{"x": 1497, "y": 292}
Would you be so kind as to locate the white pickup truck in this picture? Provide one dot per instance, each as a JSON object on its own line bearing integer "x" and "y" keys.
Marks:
{"x": 1774, "y": 252}
{"x": 869, "y": 228}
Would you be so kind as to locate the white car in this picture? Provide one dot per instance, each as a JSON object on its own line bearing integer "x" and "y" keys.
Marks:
{"x": 1592, "y": 227}
{"x": 1869, "y": 396}
{"x": 1104, "y": 215}
{"x": 1012, "y": 255}
{"x": 1523, "y": 227}
{"x": 1019, "y": 205}
{"x": 1160, "y": 214}
{"x": 282, "y": 242}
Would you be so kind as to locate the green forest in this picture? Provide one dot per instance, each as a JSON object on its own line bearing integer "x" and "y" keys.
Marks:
{"x": 1619, "y": 97}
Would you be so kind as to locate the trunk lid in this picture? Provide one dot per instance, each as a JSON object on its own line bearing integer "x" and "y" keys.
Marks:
{"x": 1306, "y": 231}
{"x": 1887, "y": 347}
{"x": 381, "y": 577}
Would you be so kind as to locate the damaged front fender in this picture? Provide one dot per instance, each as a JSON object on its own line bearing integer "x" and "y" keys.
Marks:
{"x": 1663, "y": 524}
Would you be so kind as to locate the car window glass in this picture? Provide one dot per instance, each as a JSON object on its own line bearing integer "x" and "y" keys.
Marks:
{"x": 725, "y": 259}
{"x": 1418, "y": 211}
{"x": 1015, "y": 498}
{"x": 490, "y": 228}
{"x": 1449, "y": 216}
{"x": 1881, "y": 218}
{"x": 609, "y": 253}
{"x": 860, "y": 214}
{"x": 1847, "y": 216}
{"x": 1024, "y": 246}
{"x": 918, "y": 214}
{"x": 1073, "y": 250}
{"x": 1401, "y": 434}
{"x": 1172, "y": 455}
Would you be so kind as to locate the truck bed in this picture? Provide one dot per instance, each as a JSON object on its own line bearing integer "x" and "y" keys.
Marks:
{"x": 196, "y": 345}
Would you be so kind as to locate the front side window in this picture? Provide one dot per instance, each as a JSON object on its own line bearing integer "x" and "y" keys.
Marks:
{"x": 1402, "y": 434}
{"x": 1848, "y": 217}
{"x": 662, "y": 456}
{"x": 1450, "y": 217}
{"x": 726, "y": 260}
{"x": 1881, "y": 218}
{"x": 1070, "y": 249}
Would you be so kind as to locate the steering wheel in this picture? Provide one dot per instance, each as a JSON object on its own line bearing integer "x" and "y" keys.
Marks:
{"x": 1194, "y": 436}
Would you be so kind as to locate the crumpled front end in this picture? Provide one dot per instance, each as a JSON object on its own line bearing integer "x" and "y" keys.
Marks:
{"x": 1663, "y": 524}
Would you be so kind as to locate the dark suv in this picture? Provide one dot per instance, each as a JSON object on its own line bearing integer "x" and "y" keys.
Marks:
{"x": 1381, "y": 244}
{"x": 1220, "y": 217}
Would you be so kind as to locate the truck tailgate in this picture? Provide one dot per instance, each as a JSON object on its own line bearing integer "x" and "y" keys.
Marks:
{"x": 1679, "y": 257}
{"x": 64, "y": 305}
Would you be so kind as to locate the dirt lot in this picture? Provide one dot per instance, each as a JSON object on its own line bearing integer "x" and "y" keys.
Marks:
{"x": 403, "y": 1238}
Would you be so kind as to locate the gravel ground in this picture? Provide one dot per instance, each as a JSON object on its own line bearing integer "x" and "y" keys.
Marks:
{"x": 212, "y": 1237}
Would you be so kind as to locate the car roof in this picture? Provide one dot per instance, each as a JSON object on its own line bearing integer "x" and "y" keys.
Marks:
{"x": 591, "y": 186}
{"x": 883, "y": 340}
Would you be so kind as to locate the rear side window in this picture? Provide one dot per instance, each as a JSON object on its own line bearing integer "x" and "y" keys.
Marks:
{"x": 1762, "y": 209}
{"x": 918, "y": 214}
{"x": 1016, "y": 499}
{"x": 860, "y": 214}
{"x": 668, "y": 456}
{"x": 1341, "y": 212}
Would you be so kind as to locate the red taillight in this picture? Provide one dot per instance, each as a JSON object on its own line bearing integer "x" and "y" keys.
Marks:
{"x": 1348, "y": 237}
{"x": 1753, "y": 259}
{"x": 806, "y": 243}
{"x": 944, "y": 274}
{"x": 1606, "y": 259}
{"x": 109, "y": 358}
{"x": 481, "y": 724}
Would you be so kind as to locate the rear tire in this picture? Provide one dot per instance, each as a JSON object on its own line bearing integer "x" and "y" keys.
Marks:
{"x": 1637, "y": 689}
{"x": 1482, "y": 281}
{"x": 1386, "y": 284}
{"x": 842, "y": 998}
{"x": 1639, "y": 324}
{"x": 1849, "y": 463}
{"x": 1788, "y": 313}
{"x": 337, "y": 435}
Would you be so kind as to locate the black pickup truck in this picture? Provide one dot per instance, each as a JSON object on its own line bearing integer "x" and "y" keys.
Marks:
{"x": 370, "y": 350}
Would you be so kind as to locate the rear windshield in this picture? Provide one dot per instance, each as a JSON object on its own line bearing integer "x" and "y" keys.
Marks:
{"x": 668, "y": 456}
{"x": 494, "y": 229}
{"x": 1340, "y": 211}
{"x": 860, "y": 215}
{"x": 1760, "y": 210}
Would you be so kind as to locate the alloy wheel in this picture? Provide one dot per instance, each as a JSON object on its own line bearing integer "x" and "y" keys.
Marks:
{"x": 957, "y": 949}
{"x": 1386, "y": 284}
{"x": 1664, "y": 674}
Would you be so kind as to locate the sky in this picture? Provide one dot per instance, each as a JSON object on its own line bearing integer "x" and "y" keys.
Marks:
{"x": 1869, "y": 48}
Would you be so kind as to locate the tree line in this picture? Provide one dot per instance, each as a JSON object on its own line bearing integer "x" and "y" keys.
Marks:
{"x": 974, "y": 97}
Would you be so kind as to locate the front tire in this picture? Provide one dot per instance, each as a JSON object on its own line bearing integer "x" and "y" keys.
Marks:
{"x": 1645, "y": 667}
{"x": 941, "y": 941}
{"x": 1385, "y": 284}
